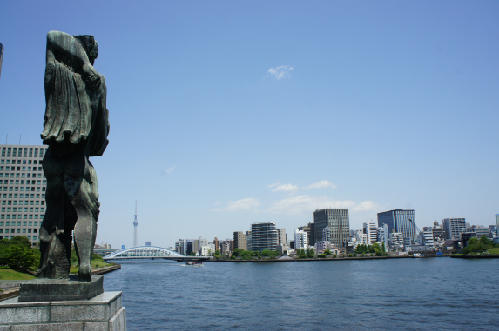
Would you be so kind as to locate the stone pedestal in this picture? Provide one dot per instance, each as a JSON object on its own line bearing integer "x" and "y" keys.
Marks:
{"x": 102, "y": 312}
{"x": 43, "y": 289}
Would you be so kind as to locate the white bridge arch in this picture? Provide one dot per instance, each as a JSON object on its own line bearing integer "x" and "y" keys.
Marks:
{"x": 150, "y": 252}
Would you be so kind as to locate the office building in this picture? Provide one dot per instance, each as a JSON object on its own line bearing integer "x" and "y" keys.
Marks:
{"x": 479, "y": 230}
{"x": 283, "y": 239}
{"x": 22, "y": 191}
{"x": 226, "y": 247}
{"x": 372, "y": 232}
{"x": 497, "y": 225}
{"x": 207, "y": 249}
{"x": 400, "y": 220}
{"x": 428, "y": 240}
{"x": 454, "y": 227}
{"x": 438, "y": 232}
{"x": 326, "y": 234}
{"x": 396, "y": 241}
{"x": 309, "y": 229}
{"x": 337, "y": 221}
{"x": 301, "y": 239}
{"x": 383, "y": 235}
{"x": 264, "y": 236}
{"x": 216, "y": 243}
{"x": 248, "y": 241}
{"x": 239, "y": 239}
{"x": 493, "y": 231}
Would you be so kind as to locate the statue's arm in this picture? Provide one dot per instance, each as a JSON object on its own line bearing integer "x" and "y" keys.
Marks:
{"x": 71, "y": 52}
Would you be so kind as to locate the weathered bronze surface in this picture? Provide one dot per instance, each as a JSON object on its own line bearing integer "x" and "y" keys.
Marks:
{"x": 75, "y": 127}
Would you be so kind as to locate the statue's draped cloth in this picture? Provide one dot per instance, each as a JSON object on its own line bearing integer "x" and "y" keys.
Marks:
{"x": 68, "y": 114}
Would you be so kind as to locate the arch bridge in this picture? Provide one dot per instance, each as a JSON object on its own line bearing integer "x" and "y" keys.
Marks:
{"x": 151, "y": 253}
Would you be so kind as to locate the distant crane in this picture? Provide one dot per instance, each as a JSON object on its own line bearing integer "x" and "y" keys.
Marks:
{"x": 135, "y": 225}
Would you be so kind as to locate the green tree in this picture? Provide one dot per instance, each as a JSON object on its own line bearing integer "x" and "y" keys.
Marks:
{"x": 270, "y": 253}
{"x": 310, "y": 253}
{"x": 21, "y": 258}
{"x": 301, "y": 253}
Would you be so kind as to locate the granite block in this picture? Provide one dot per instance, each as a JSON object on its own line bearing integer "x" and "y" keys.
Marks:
{"x": 68, "y": 326}
{"x": 96, "y": 326}
{"x": 28, "y": 314}
{"x": 118, "y": 321}
{"x": 43, "y": 290}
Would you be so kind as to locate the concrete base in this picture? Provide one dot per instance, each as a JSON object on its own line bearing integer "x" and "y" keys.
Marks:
{"x": 44, "y": 290}
{"x": 102, "y": 312}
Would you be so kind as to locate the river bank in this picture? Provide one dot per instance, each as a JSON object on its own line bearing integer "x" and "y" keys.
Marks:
{"x": 316, "y": 259}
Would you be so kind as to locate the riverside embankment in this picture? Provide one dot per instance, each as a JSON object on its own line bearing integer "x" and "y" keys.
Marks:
{"x": 317, "y": 259}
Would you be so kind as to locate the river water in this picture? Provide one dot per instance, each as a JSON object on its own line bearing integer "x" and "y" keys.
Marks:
{"x": 427, "y": 293}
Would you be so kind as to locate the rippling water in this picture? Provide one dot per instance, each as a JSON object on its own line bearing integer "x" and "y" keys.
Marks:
{"x": 437, "y": 293}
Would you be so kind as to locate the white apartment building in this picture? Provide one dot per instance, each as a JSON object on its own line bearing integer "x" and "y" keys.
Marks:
{"x": 301, "y": 239}
{"x": 372, "y": 232}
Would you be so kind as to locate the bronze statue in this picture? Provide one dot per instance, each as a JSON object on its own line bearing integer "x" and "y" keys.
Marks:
{"x": 75, "y": 127}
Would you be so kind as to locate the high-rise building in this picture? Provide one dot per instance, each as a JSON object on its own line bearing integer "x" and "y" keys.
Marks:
{"x": 239, "y": 239}
{"x": 372, "y": 232}
{"x": 216, "y": 242}
{"x": 497, "y": 225}
{"x": 22, "y": 191}
{"x": 264, "y": 236}
{"x": 283, "y": 239}
{"x": 326, "y": 234}
{"x": 454, "y": 227}
{"x": 400, "y": 220}
{"x": 309, "y": 229}
{"x": 337, "y": 221}
{"x": 226, "y": 247}
{"x": 248, "y": 241}
{"x": 301, "y": 239}
{"x": 383, "y": 235}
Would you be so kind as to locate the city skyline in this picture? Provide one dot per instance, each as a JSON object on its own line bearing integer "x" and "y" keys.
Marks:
{"x": 227, "y": 114}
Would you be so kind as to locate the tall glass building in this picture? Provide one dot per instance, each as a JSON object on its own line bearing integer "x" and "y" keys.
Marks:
{"x": 400, "y": 220}
{"x": 264, "y": 236}
{"x": 22, "y": 191}
{"x": 337, "y": 222}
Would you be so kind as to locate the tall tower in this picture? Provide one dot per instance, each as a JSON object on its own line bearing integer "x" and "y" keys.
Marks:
{"x": 135, "y": 225}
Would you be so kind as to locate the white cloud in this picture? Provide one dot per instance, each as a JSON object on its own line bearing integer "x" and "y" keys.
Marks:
{"x": 366, "y": 206}
{"x": 305, "y": 204}
{"x": 321, "y": 184}
{"x": 277, "y": 187}
{"x": 241, "y": 204}
{"x": 169, "y": 171}
{"x": 280, "y": 72}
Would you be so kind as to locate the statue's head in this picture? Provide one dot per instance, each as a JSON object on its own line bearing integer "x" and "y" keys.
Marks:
{"x": 90, "y": 45}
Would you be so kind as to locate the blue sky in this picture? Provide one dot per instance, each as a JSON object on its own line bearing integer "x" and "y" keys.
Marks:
{"x": 225, "y": 113}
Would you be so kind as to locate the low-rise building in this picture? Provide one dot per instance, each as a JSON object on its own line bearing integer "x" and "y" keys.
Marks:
{"x": 396, "y": 241}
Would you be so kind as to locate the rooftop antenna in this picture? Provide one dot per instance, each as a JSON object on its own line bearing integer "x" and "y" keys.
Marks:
{"x": 135, "y": 225}
{"x": 20, "y": 136}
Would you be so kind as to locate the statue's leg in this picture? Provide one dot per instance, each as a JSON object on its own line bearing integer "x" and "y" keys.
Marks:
{"x": 52, "y": 258}
{"x": 86, "y": 207}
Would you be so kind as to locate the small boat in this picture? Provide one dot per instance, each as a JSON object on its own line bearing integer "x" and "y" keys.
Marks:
{"x": 193, "y": 262}
{"x": 418, "y": 255}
